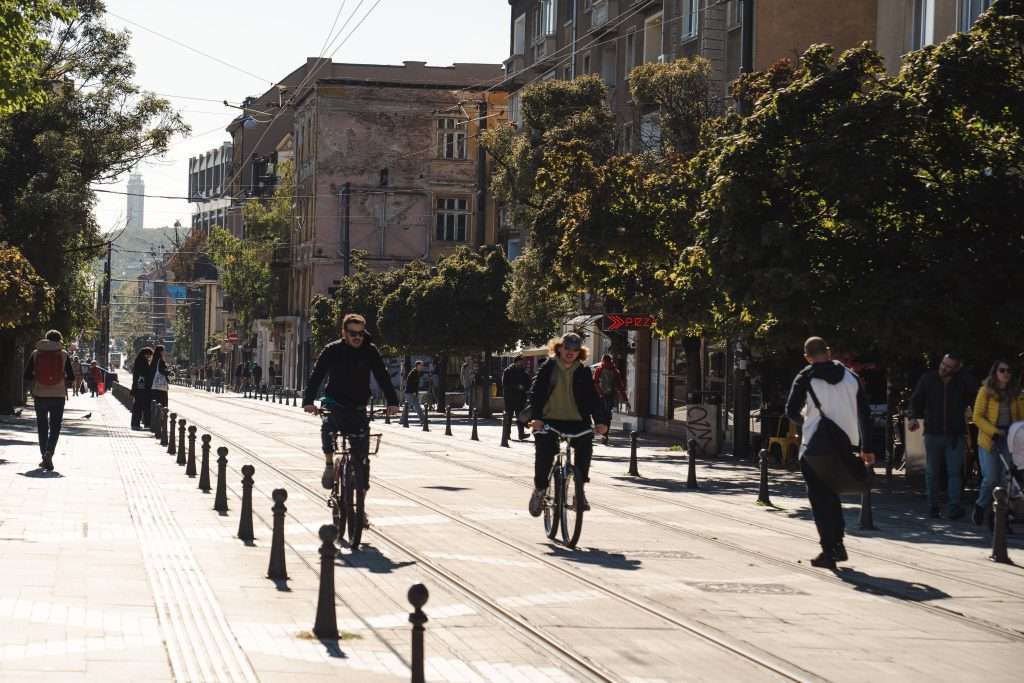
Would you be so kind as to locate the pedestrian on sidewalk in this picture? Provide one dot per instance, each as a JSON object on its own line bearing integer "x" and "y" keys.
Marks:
{"x": 835, "y": 391}
{"x": 95, "y": 377}
{"x": 50, "y": 372}
{"x": 140, "y": 388}
{"x": 610, "y": 385}
{"x": 943, "y": 398}
{"x": 999, "y": 404}
{"x": 412, "y": 388}
{"x": 467, "y": 375}
{"x": 515, "y": 382}
{"x": 76, "y": 383}
{"x": 257, "y": 375}
{"x": 239, "y": 371}
{"x": 158, "y": 378}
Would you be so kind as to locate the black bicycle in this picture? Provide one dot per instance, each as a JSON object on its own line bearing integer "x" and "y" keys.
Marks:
{"x": 347, "y": 500}
{"x": 563, "y": 496}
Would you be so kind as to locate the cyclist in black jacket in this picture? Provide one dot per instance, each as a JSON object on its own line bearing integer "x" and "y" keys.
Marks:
{"x": 346, "y": 364}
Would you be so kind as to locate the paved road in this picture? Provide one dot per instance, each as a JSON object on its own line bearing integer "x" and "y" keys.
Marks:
{"x": 667, "y": 584}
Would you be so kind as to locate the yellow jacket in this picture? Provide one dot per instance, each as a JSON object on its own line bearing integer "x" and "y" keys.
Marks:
{"x": 986, "y": 414}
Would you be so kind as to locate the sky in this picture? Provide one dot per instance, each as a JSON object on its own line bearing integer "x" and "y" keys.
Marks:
{"x": 268, "y": 39}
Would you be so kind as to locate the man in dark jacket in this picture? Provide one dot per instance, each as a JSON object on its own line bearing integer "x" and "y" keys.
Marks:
{"x": 563, "y": 396}
{"x": 943, "y": 398}
{"x": 346, "y": 364}
{"x": 412, "y": 388}
{"x": 515, "y": 382}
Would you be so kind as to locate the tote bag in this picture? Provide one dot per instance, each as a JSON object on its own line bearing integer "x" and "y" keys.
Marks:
{"x": 830, "y": 454}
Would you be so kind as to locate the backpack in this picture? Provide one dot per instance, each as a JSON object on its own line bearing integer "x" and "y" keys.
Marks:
{"x": 830, "y": 454}
{"x": 49, "y": 368}
{"x": 606, "y": 377}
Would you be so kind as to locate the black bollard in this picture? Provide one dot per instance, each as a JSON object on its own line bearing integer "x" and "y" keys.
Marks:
{"x": 633, "y": 471}
{"x": 277, "y": 570}
{"x": 426, "y": 421}
{"x": 326, "y": 625}
{"x": 418, "y": 596}
{"x": 171, "y": 421}
{"x": 204, "y": 466}
{"x": 190, "y": 464}
{"x": 867, "y": 519}
{"x": 762, "y": 491}
{"x": 387, "y": 414}
{"x": 1000, "y": 511}
{"x": 448, "y": 421}
{"x": 245, "y": 519}
{"x": 506, "y": 427}
{"x": 405, "y": 415}
{"x": 181, "y": 442}
{"x": 152, "y": 418}
{"x": 473, "y": 436}
{"x": 162, "y": 417}
{"x": 691, "y": 464}
{"x": 295, "y": 398}
{"x": 220, "y": 500}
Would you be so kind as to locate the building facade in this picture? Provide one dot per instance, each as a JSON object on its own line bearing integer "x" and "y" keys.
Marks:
{"x": 136, "y": 203}
{"x": 208, "y": 175}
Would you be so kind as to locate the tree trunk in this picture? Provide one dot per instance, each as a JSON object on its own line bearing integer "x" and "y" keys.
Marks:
{"x": 694, "y": 370}
{"x": 12, "y": 391}
{"x": 483, "y": 383}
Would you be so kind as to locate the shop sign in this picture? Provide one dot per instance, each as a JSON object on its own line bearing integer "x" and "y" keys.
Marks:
{"x": 621, "y": 321}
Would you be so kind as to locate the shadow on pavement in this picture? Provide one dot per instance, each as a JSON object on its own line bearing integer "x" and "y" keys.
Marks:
{"x": 877, "y": 585}
{"x": 281, "y": 585}
{"x": 17, "y": 442}
{"x": 333, "y": 648}
{"x": 594, "y": 556}
{"x": 369, "y": 557}
{"x": 40, "y": 473}
{"x": 446, "y": 488}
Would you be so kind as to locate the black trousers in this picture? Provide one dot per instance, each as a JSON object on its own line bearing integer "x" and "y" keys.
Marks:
{"x": 49, "y": 417}
{"x": 827, "y": 508}
{"x": 515, "y": 406}
{"x": 546, "y": 445}
{"x": 158, "y": 396}
{"x": 353, "y": 423}
{"x": 140, "y": 408}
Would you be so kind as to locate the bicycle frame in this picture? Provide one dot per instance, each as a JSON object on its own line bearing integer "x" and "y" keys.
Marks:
{"x": 563, "y": 492}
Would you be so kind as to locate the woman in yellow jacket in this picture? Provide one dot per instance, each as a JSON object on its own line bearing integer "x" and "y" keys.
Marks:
{"x": 998, "y": 405}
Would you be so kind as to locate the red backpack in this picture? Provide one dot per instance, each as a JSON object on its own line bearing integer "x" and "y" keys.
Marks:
{"x": 49, "y": 368}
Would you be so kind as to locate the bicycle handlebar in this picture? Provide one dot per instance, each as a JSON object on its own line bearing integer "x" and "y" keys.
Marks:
{"x": 549, "y": 428}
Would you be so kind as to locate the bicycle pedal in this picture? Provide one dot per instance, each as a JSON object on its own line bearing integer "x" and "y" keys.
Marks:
{"x": 331, "y": 503}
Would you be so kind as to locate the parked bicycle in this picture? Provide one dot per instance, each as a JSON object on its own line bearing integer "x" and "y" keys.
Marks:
{"x": 347, "y": 499}
{"x": 563, "y": 503}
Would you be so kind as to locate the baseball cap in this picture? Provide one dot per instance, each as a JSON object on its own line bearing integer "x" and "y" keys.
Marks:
{"x": 572, "y": 341}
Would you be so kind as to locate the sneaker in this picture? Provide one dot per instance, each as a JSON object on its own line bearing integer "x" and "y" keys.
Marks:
{"x": 956, "y": 513}
{"x": 47, "y": 463}
{"x": 839, "y": 552}
{"x": 934, "y": 513}
{"x": 327, "y": 480}
{"x": 978, "y": 515}
{"x": 536, "y": 500}
{"x": 824, "y": 560}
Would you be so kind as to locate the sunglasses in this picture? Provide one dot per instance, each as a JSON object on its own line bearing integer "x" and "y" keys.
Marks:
{"x": 1004, "y": 370}
{"x": 356, "y": 333}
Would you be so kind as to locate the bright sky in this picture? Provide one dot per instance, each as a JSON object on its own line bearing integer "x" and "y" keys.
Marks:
{"x": 270, "y": 38}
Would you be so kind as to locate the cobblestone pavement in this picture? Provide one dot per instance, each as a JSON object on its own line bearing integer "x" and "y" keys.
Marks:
{"x": 115, "y": 567}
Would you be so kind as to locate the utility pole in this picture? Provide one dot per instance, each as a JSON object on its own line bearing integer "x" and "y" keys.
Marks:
{"x": 346, "y": 206}
{"x": 103, "y": 352}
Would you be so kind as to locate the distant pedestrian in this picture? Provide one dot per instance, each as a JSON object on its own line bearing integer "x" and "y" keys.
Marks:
{"x": 158, "y": 378}
{"x": 998, "y": 405}
{"x": 76, "y": 366}
{"x": 835, "y": 392}
{"x": 257, "y": 374}
{"x": 515, "y": 383}
{"x": 95, "y": 377}
{"x": 239, "y": 370}
{"x": 610, "y": 385}
{"x": 246, "y": 375}
{"x": 943, "y": 398}
{"x": 140, "y": 388}
{"x": 412, "y": 388}
{"x": 50, "y": 372}
{"x": 467, "y": 375}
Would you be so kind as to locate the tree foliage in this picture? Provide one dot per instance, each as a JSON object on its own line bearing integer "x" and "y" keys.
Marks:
{"x": 363, "y": 292}
{"x": 23, "y": 50}
{"x": 182, "y": 326}
{"x": 24, "y": 295}
{"x": 244, "y": 268}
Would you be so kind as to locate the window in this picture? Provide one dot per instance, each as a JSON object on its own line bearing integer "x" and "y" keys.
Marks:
{"x": 451, "y": 138}
{"x": 544, "y": 18}
{"x": 586, "y": 64}
{"x": 514, "y": 103}
{"x": 627, "y": 138}
{"x": 452, "y": 220}
{"x": 519, "y": 35}
{"x": 608, "y": 65}
{"x": 690, "y": 12}
{"x": 630, "y": 52}
{"x": 970, "y": 10}
{"x": 733, "y": 14}
{"x": 586, "y": 5}
{"x": 924, "y": 24}
{"x": 652, "y": 39}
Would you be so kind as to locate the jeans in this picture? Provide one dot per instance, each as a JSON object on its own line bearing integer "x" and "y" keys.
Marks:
{"x": 414, "y": 401}
{"x": 826, "y": 507}
{"x": 353, "y": 423}
{"x": 140, "y": 408}
{"x": 949, "y": 450}
{"x": 991, "y": 470}
{"x": 49, "y": 416}
{"x": 545, "y": 446}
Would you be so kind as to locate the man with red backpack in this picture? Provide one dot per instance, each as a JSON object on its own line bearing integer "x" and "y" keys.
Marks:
{"x": 609, "y": 384}
{"x": 49, "y": 370}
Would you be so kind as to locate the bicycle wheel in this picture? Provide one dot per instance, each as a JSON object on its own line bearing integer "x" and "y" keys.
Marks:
{"x": 572, "y": 507}
{"x": 355, "y": 521}
{"x": 337, "y": 502}
{"x": 552, "y": 498}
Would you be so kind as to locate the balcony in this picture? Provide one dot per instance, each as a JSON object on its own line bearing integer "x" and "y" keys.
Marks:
{"x": 544, "y": 48}
{"x": 602, "y": 11}
{"x": 514, "y": 64}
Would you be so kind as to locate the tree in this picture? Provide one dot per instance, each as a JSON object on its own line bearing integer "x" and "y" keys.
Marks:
{"x": 363, "y": 292}
{"x": 322, "y": 322}
{"x": 182, "y": 326}
{"x": 538, "y": 306}
{"x": 244, "y": 274}
{"x": 24, "y": 295}
{"x": 23, "y": 50}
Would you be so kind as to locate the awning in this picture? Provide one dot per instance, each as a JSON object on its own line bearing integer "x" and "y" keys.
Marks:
{"x": 584, "y": 320}
{"x": 215, "y": 348}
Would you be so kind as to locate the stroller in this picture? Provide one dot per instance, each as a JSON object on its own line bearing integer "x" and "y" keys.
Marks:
{"x": 1013, "y": 472}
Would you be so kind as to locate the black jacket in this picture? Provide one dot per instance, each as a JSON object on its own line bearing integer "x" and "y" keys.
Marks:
{"x": 833, "y": 373}
{"x": 942, "y": 405}
{"x": 412, "y": 381}
{"x": 515, "y": 382}
{"x": 588, "y": 402}
{"x": 347, "y": 370}
{"x": 142, "y": 378}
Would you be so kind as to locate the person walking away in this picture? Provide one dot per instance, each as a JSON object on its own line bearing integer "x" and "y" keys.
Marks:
{"x": 247, "y": 375}
{"x": 95, "y": 377}
{"x": 158, "y": 378}
{"x": 610, "y": 385}
{"x": 50, "y": 373}
{"x": 563, "y": 395}
{"x": 239, "y": 369}
{"x": 76, "y": 367}
{"x": 999, "y": 404}
{"x": 943, "y": 398}
{"x": 837, "y": 392}
{"x": 257, "y": 375}
{"x": 140, "y": 388}
{"x": 515, "y": 382}
{"x": 412, "y": 388}
{"x": 467, "y": 375}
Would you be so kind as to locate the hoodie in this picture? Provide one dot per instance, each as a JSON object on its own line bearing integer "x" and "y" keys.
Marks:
{"x": 40, "y": 390}
{"x": 842, "y": 399}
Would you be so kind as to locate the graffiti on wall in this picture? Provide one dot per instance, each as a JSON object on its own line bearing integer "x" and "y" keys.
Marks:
{"x": 700, "y": 423}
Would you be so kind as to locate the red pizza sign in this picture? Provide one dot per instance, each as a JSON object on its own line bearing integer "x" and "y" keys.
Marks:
{"x": 621, "y": 321}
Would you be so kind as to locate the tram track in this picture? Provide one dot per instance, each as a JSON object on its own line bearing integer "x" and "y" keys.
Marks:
{"x": 710, "y": 635}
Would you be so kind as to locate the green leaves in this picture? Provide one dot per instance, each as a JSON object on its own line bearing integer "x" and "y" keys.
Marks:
{"x": 244, "y": 267}
{"x": 24, "y": 295}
